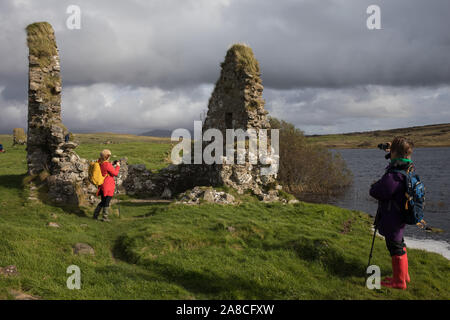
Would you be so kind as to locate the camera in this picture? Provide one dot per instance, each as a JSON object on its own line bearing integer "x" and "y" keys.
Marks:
{"x": 383, "y": 146}
{"x": 116, "y": 162}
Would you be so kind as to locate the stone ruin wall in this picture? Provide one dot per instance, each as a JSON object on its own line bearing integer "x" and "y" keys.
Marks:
{"x": 238, "y": 92}
{"x": 236, "y": 103}
{"x": 47, "y": 152}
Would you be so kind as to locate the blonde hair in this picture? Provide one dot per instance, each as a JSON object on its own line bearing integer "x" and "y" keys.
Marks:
{"x": 104, "y": 155}
{"x": 402, "y": 146}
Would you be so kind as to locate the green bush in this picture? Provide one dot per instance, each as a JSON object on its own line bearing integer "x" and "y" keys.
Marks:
{"x": 306, "y": 167}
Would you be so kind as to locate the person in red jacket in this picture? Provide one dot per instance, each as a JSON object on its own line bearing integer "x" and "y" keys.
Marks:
{"x": 106, "y": 190}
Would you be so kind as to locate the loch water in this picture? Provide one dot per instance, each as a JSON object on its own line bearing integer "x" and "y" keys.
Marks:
{"x": 368, "y": 165}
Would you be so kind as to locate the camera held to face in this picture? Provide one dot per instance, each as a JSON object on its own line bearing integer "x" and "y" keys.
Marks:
{"x": 385, "y": 147}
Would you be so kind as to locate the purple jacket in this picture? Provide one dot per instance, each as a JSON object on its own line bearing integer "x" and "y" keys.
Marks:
{"x": 390, "y": 193}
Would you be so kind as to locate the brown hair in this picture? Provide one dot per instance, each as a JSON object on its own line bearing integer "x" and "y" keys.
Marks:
{"x": 402, "y": 146}
{"x": 104, "y": 155}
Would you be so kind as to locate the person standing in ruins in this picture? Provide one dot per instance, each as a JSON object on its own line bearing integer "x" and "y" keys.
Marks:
{"x": 106, "y": 190}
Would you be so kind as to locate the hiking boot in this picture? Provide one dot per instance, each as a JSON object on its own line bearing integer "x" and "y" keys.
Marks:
{"x": 399, "y": 268}
{"x": 97, "y": 212}
{"x": 105, "y": 214}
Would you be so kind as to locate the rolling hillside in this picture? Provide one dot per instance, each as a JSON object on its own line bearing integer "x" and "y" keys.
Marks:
{"x": 437, "y": 135}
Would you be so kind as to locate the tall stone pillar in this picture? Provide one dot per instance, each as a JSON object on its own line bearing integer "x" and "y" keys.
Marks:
{"x": 45, "y": 129}
{"x": 47, "y": 150}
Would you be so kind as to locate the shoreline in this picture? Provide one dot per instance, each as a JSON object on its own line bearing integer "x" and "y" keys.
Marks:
{"x": 441, "y": 247}
{"x": 437, "y": 246}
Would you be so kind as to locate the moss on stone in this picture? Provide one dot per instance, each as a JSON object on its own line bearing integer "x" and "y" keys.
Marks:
{"x": 41, "y": 42}
{"x": 42, "y": 46}
{"x": 49, "y": 94}
{"x": 244, "y": 58}
{"x": 80, "y": 195}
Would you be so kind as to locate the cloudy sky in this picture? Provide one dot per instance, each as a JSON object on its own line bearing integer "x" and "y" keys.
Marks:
{"x": 139, "y": 65}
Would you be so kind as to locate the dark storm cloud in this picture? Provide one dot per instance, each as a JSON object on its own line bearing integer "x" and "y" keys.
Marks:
{"x": 318, "y": 59}
{"x": 175, "y": 43}
{"x": 362, "y": 108}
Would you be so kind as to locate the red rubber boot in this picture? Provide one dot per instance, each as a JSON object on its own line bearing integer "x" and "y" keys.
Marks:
{"x": 399, "y": 268}
{"x": 408, "y": 278}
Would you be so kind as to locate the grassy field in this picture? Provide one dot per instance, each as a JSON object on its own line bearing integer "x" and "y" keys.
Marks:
{"x": 170, "y": 251}
{"x": 426, "y": 136}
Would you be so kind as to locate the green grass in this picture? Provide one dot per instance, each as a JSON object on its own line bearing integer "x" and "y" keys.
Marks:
{"x": 154, "y": 156}
{"x": 151, "y": 151}
{"x": 169, "y": 251}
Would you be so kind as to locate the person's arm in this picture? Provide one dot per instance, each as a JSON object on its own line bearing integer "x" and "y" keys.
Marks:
{"x": 111, "y": 170}
{"x": 384, "y": 188}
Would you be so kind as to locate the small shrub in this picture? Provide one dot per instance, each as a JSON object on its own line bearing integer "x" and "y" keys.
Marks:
{"x": 307, "y": 167}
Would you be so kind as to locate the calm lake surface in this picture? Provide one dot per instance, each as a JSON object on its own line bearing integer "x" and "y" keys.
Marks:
{"x": 433, "y": 167}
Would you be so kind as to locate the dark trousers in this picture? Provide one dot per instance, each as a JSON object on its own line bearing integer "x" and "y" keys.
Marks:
{"x": 395, "y": 248}
{"x": 105, "y": 200}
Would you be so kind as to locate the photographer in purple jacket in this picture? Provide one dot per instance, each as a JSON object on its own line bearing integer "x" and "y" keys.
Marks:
{"x": 390, "y": 193}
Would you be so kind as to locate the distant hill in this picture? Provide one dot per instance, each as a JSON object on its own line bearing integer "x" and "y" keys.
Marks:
{"x": 436, "y": 135}
{"x": 158, "y": 133}
{"x": 162, "y": 133}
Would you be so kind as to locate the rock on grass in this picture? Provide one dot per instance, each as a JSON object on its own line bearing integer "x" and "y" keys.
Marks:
{"x": 83, "y": 249}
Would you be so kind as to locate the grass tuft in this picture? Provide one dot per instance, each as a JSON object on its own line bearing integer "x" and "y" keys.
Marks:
{"x": 244, "y": 59}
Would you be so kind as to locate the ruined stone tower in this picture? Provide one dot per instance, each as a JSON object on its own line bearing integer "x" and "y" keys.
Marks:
{"x": 47, "y": 150}
{"x": 236, "y": 102}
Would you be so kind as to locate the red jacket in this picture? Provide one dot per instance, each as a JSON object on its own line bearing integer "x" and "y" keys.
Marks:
{"x": 109, "y": 184}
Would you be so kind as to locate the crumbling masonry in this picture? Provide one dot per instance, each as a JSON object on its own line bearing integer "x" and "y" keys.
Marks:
{"x": 48, "y": 155}
{"x": 236, "y": 102}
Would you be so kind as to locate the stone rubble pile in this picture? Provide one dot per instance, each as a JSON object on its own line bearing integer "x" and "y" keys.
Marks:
{"x": 206, "y": 194}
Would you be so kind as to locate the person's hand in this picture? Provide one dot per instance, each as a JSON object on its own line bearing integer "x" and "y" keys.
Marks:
{"x": 389, "y": 147}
